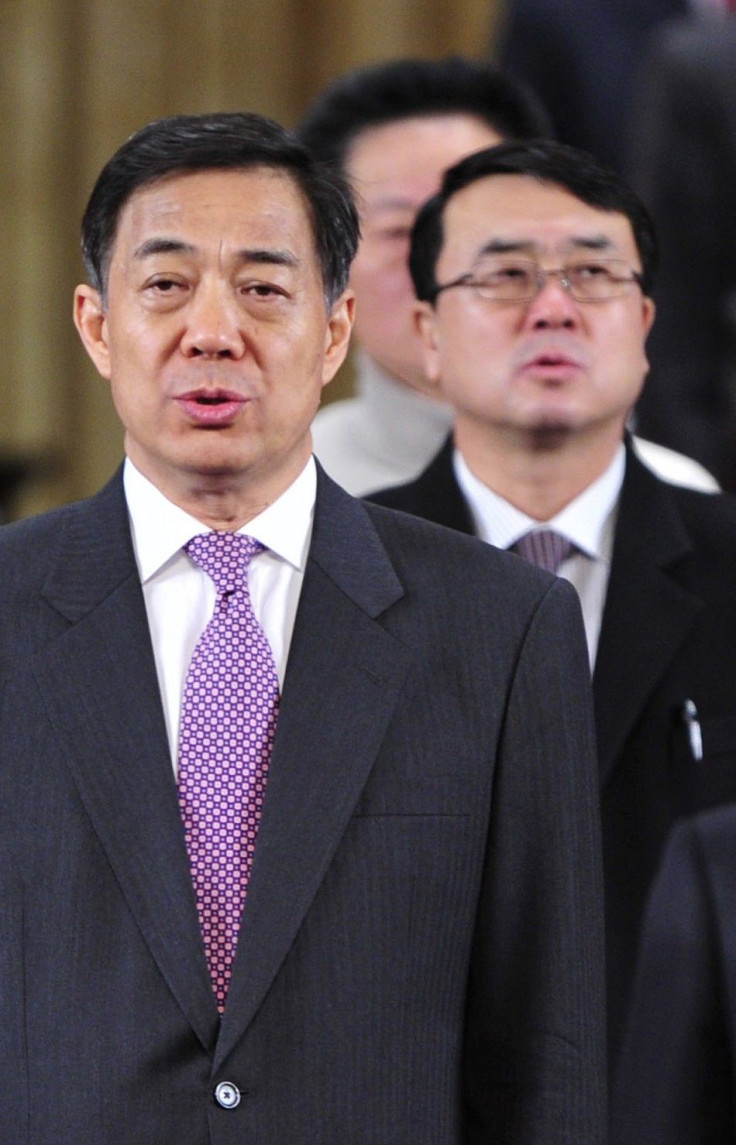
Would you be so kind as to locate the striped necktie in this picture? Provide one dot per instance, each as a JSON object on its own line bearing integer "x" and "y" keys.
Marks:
{"x": 544, "y": 548}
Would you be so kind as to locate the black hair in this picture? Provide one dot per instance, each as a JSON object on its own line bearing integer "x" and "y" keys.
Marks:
{"x": 227, "y": 140}
{"x": 549, "y": 162}
{"x": 401, "y": 89}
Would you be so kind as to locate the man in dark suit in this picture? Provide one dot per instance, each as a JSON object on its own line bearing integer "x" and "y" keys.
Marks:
{"x": 583, "y": 63}
{"x": 419, "y": 953}
{"x": 676, "y": 1084}
{"x": 392, "y": 128}
{"x": 534, "y": 266}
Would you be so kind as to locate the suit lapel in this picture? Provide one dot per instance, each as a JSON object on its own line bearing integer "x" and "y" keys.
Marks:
{"x": 99, "y": 682}
{"x": 440, "y": 496}
{"x": 343, "y": 678}
{"x": 647, "y": 613}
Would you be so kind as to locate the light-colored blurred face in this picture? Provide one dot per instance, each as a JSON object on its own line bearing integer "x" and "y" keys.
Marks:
{"x": 395, "y": 168}
{"x": 215, "y": 336}
{"x": 550, "y": 365}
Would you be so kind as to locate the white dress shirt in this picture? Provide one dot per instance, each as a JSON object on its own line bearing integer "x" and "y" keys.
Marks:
{"x": 180, "y": 596}
{"x": 588, "y": 522}
{"x": 673, "y": 467}
{"x": 383, "y": 436}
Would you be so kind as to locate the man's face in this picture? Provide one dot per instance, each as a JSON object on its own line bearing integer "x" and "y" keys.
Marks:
{"x": 395, "y": 168}
{"x": 215, "y": 335}
{"x": 549, "y": 367}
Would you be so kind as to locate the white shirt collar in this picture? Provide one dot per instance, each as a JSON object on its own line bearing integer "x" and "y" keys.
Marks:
{"x": 161, "y": 529}
{"x": 586, "y": 520}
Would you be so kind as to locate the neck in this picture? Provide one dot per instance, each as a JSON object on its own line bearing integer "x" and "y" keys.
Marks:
{"x": 221, "y": 509}
{"x": 220, "y": 500}
{"x": 408, "y": 377}
{"x": 539, "y": 475}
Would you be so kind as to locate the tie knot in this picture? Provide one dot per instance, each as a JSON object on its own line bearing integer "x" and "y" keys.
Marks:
{"x": 544, "y": 548}
{"x": 224, "y": 557}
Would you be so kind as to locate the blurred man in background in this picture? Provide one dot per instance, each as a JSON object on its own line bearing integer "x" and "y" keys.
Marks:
{"x": 393, "y": 128}
{"x": 683, "y": 165}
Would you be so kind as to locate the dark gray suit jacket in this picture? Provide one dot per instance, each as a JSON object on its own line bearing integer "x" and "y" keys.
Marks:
{"x": 668, "y": 634}
{"x": 420, "y": 955}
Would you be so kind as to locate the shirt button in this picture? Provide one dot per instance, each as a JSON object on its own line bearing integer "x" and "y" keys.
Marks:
{"x": 227, "y": 1095}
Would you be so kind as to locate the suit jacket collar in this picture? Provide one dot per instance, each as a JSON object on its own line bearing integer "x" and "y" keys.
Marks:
{"x": 648, "y": 612}
{"x": 435, "y": 494}
{"x": 99, "y": 681}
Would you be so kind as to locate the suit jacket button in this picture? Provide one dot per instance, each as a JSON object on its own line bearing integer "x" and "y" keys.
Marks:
{"x": 227, "y": 1095}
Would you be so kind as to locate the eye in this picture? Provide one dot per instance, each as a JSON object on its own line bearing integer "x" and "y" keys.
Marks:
{"x": 265, "y": 290}
{"x": 585, "y": 270}
{"x": 165, "y": 286}
{"x": 389, "y": 231}
{"x": 505, "y": 274}
{"x": 512, "y": 272}
{"x": 165, "y": 292}
{"x": 396, "y": 234}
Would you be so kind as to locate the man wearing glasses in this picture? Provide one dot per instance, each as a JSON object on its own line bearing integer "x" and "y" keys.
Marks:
{"x": 533, "y": 268}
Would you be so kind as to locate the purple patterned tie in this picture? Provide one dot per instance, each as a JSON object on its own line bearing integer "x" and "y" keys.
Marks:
{"x": 544, "y": 548}
{"x": 228, "y": 721}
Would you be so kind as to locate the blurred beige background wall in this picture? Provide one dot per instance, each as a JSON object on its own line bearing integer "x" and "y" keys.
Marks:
{"x": 76, "y": 78}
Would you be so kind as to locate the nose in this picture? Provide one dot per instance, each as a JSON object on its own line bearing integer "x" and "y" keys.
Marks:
{"x": 553, "y": 306}
{"x": 213, "y": 323}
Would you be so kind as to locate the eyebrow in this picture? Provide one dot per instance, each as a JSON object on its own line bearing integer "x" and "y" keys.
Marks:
{"x": 576, "y": 242}
{"x": 388, "y": 203}
{"x": 260, "y": 255}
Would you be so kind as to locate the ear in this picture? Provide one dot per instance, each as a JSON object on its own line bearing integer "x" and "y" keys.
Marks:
{"x": 91, "y": 323}
{"x": 337, "y": 335}
{"x": 648, "y": 312}
{"x": 425, "y": 324}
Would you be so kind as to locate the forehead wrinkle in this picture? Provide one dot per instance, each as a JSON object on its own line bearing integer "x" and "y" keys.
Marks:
{"x": 259, "y": 255}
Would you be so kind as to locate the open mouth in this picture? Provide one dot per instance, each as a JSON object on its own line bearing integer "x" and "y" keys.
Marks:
{"x": 211, "y": 396}
{"x": 215, "y": 407}
{"x": 552, "y": 360}
{"x": 551, "y": 365}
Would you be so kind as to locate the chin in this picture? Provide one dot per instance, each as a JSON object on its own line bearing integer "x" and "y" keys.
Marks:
{"x": 557, "y": 419}
{"x": 549, "y": 430}
{"x": 213, "y": 462}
